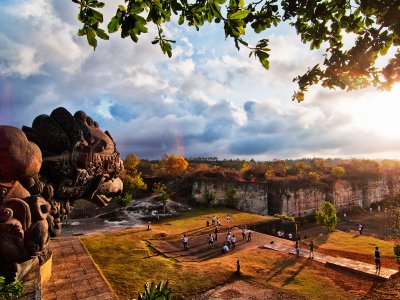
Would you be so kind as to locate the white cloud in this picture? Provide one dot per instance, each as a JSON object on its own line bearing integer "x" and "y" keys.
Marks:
{"x": 183, "y": 67}
{"x": 18, "y": 59}
{"x": 208, "y": 99}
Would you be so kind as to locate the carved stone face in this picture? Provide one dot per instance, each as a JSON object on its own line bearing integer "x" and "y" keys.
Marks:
{"x": 79, "y": 159}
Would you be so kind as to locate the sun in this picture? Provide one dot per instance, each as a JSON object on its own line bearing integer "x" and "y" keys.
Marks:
{"x": 378, "y": 112}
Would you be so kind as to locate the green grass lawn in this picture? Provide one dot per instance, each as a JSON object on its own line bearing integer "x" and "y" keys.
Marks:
{"x": 127, "y": 262}
{"x": 350, "y": 242}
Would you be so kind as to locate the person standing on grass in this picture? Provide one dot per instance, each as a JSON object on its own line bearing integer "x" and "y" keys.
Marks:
{"x": 233, "y": 242}
{"x": 377, "y": 255}
{"x": 249, "y": 234}
{"x": 213, "y": 219}
{"x": 208, "y": 221}
{"x": 185, "y": 240}
{"x": 360, "y": 229}
{"x": 244, "y": 233}
{"x": 216, "y": 230}
{"x": 311, "y": 244}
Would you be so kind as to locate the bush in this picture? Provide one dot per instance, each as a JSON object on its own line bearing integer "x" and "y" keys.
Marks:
{"x": 326, "y": 217}
{"x": 231, "y": 200}
{"x": 396, "y": 250}
{"x": 10, "y": 291}
{"x": 283, "y": 217}
{"x": 338, "y": 172}
{"x": 313, "y": 175}
{"x": 155, "y": 292}
{"x": 123, "y": 201}
{"x": 209, "y": 197}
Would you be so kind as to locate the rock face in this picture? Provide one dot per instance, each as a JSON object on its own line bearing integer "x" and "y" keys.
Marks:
{"x": 43, "y": 170}
{"x": 297, "y": 200}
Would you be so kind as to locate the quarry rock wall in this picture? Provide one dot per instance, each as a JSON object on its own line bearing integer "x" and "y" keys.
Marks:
{"x": 297, "y": 200}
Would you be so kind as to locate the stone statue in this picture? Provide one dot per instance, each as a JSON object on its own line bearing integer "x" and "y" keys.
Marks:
{"x": 43, "y": 170}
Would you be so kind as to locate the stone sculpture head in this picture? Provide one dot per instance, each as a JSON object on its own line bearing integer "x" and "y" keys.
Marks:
{"x": 43, "y": 170}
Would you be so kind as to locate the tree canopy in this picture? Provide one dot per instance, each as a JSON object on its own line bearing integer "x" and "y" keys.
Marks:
{"x": 326, "y": 217}
{"x": 372, "y": 25}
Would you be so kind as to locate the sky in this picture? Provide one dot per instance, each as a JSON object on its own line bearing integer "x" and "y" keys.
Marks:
{"x": 207, "y": 100}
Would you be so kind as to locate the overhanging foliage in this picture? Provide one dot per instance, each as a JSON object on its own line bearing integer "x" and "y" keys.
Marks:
{"x": 374, "y": 24}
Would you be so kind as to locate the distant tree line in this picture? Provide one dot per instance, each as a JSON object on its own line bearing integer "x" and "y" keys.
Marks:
{"x": 251, "y": 170}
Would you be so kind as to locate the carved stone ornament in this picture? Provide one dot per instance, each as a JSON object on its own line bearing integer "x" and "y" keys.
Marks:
{"x": 43, "y": 170}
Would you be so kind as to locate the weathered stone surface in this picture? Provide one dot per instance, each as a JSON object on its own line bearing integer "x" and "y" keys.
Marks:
{"x": 38, "y": 185}
{"x": 19, "y": 157}
{"x": 265, "y": 198}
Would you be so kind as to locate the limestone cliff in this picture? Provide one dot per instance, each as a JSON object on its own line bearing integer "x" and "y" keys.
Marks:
{"x": 297, "y": 198}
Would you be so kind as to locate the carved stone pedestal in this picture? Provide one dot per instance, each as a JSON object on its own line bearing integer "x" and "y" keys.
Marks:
{"x": 34, "y": 276}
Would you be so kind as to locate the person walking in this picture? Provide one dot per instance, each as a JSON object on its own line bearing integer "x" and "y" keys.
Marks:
{"x": 185, "y": 240}
{"x": 311, "y": 244}
{"x": 228, "y": 239}
{"x": 216, "y": 230}
{"x": 213, "y": 219}
{"x": 233, "y": 242}
{"x": 244, "y": 233}
{"x": 249, "y": 234}
{"x": 297, "y": 248}
{"x": 210, "y": 240}
{"x": 208, "y": 221}
{"x": 377, "y": 255}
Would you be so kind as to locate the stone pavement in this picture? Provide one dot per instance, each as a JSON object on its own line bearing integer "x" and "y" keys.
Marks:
{"x": 74, "y": 275}
{"x": 286, "y": 246}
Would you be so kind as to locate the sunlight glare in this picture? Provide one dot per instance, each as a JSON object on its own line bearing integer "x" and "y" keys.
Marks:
{"x": 379, "y": 113}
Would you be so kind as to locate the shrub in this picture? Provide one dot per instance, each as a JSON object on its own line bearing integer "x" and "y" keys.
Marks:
{"x": 209, "y": 197}
{"x": 396, "y": 250}
{"x": 231, "y": 200}
{"x": 123, "y": 201}
{"x": 155, "y": 292}
{"x": 313, "y": 175}
{"x": 326, "y": 217}
{"x": 338, "y": 172}
{"x": 10, "y": 291}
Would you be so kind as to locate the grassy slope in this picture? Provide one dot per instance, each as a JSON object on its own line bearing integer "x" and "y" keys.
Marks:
{"x": 127, "y": 262}
{"x": 355, "y": 243}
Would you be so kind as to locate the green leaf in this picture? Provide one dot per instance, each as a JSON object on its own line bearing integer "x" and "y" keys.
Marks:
{"x": 220, "y": 1}
{"x": 82, "y": 31}
{"x": 113, "y": 26}
{"x": 134, "y": 37}
{"x": 101, "y": 34}
{"x": 240, "y": 14}
{"x": 263, "y": 57}
{"x": 91, "y": 38}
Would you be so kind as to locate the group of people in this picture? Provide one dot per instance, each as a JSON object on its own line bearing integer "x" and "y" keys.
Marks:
{"x": 282, "y": 235}
{"x": 216, "y": 221}
{"x": 230, "y": 242}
